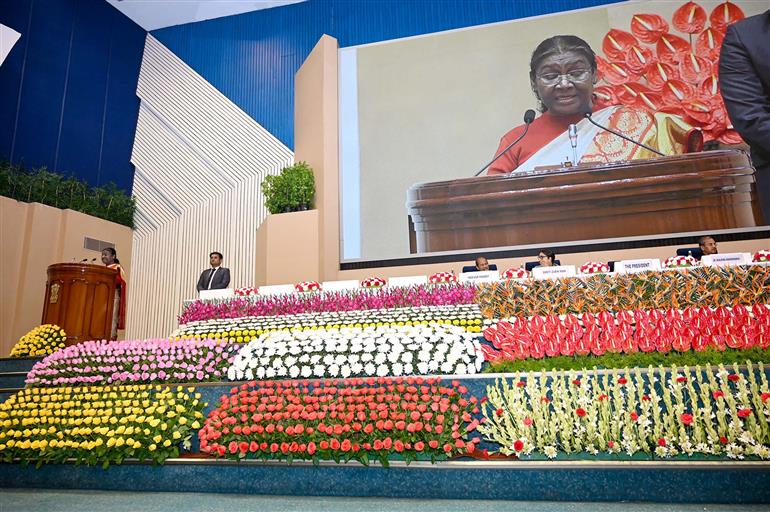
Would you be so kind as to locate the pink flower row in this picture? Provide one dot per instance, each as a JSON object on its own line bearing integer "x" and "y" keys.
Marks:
{"x": 330, "y": 301}
{"x": 741, "y": 327}
{"x": 138, "y": 361}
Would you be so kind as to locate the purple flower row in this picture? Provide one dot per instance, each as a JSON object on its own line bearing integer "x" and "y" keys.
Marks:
{"x": 138, "y": 361}
{"x": 274, "y": 305}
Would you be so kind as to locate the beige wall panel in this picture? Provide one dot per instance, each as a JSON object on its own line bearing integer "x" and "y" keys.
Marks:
{"x": 288, "y": 248}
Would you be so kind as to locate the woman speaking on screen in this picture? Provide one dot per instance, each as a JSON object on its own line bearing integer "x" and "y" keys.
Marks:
{"x": 563, "y": 73}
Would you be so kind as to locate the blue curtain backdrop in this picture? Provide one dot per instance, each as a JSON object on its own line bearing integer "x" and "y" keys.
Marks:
{"x": 68, "y": 88}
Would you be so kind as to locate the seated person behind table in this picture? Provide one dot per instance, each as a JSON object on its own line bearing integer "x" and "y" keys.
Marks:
{"x": 215, "y": 278}
{"x": 546, "y": 258}
{"x": 562, "y": 74}
{"x": 708, "y": 245}
{"x": 482, "y": 265}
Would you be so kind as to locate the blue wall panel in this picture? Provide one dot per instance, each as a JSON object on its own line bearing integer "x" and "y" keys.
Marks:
{"x": 68, "y": 88}
{"x": 252, "y": 57}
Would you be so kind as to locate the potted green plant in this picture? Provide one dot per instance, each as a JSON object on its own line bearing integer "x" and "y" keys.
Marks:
{"x": 290, "y": 191}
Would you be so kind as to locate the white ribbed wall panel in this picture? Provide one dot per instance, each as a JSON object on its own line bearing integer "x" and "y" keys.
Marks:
{"x": 200, "y": 162}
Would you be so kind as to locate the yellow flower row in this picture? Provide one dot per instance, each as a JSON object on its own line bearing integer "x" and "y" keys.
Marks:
{"x": 98, "y": 424}
{"x": 42, "y": 340}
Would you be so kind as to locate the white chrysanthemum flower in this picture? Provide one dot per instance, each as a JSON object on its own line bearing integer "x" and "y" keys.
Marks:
{"x": 382, "y": 371}
{"x": 294, "y": 372}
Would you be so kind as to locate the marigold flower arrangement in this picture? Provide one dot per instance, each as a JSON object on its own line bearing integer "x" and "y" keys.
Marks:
{"x": 42, "y": 340}
{"x": 663, "y": 412}
{"x": 133, "y": 362}
{"x": 741, "y": 327}
{"x": 98, "y": 425}
{"x": 341, "y": 420}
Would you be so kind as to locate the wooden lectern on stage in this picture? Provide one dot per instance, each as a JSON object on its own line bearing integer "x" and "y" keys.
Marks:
{"x": 79, "y": 299}
{"x": 694, "y": 192}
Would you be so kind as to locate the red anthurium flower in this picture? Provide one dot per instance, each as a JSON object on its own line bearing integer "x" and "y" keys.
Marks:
{"x": 723, "y": 440}
{"x": 610, "y": 444}
{"x": 730, "y": 136}
{"x": 617, "y": 42}
{"x": 686, "y": 418}
{"x": 690, "y": 18}
{"x": 617, "y": 73}
{"x": 709, "y": 44}
{"x": 671, "y": 48}
{"x": 580, "y": 412}
{"x": 681, "y": 379}
{"x": 733, "y": 377}
{"x": 518, "y": 445}
{"x": 528, "y": 421}
{"x": 638, "y": 59}
{"x": 765, "y": 397}
{"x": 744, "y": 413}
{"x": 717, "y": 394}
{"x": 576, "y": 382}
{"x": 604, "y": 96}
{"x": 499, "y": 412}
{"x": 622, "y": 381}
{"x": 648, "y": 27}
{"x": 662, "y": 441}
{"x": 675, "y": 91}
{"x": 709, "y": 87}
{"x": 725, "y": 14}
{"x": 634, "y": 415}
{"x": 694, "y": 69}
{"x": 658, "y": 74}
{"x": 698, "y": 110}
{"x": 521, "y": 384}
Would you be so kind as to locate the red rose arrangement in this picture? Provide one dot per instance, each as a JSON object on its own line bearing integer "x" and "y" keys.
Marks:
{"x": 308, "y": 286}
{"x": 594, "y": 267}
{"x": 247, "y": 290}
{"x": 341, "y": 420}
{"x": 373, "y": 282}
{"x": 680, "y": 262}
{"x": 515, "y": 273}
{"x": 442, "y": 277}
{"x": 761, "y": 257}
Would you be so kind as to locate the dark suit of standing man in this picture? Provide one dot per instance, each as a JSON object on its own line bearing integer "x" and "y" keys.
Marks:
{"x": 215, "y": 278}
{"x": 744, "y": 78}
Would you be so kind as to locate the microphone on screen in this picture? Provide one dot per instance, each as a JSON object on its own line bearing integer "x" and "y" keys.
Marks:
{"x": 624, "y": 137}
{"x": 529, "y": 116}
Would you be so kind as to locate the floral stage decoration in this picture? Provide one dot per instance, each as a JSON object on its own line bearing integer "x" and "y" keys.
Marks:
{"x": 741, "y": 327}
{"x": 241, "y": 330}
{"x": 42, "y": 340}
{"x": 594, "y": 267}
{"x": 308, "y": 286}
{"x": 665, "y": 412}
{"x": 139, "y": 361}
{"x": 351, "y": 300}
{"x": 442, "y": 277}
{"x": 515, "y": 273}
{"x": 357, "y": 419}
{"x": 373, "y": 282}
{"x": 246, "y": 291}
{"x": 359, "y": 352}
{"x": 98, "y": 425}
{"x": 698, "y": 287}
{"x": 680, "y": 262}
{"x": 762, "y": 256}
{"x": 654, "y": 69}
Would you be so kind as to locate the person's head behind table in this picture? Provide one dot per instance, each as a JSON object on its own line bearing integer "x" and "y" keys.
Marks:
{"x": 708, "y": 245}
{"x": 562, "y": 72}
{"x": 482, "y": 265}
{"x": 546, "y": 258}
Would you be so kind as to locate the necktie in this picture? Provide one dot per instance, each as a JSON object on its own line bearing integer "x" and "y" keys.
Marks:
{"x": 211, "y": 278}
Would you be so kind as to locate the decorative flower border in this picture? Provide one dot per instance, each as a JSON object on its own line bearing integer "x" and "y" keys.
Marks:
{"x": 698, "y": 287}
{"x": 244, "y": 329}
{"x": 594, "y": 267}
{"x": 680, "y": 262}
{"x": 761, "y": 257}
{"x": 134, "y": 362}
{"x": 42, "y": 340}
{"x": 351, "y": 300}
{"x": 666, "y": 413}
{"x": 97, "y": 425}
{"x": 357, "y": 419}
{"x": 359, "y": 352}
{"x": 742, "y": 327}
{"x": 442, "y": 277}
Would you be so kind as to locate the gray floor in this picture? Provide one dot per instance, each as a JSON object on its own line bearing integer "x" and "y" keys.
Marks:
{"x": 44, "y": 500}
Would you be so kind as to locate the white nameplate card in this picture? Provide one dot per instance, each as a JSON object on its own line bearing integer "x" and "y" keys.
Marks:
{"x": 276, "y": 289}
{"x": 727, "y": 259}
{"x": 480, "y": 277}
{"x": 557, "y": 272}
{"x": 338, "y": 286}
{"x": 407, "y": 281}
{"x": 216, "y": 294}
{"x": 634, "y": 266}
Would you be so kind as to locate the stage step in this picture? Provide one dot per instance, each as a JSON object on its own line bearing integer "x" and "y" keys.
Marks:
{"x": 10, "y": 380}
{"x": 17, "y": 364}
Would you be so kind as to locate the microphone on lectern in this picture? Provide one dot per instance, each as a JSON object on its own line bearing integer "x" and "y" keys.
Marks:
{"x": 529, "y": 116}
{"x": 624, "y": 137}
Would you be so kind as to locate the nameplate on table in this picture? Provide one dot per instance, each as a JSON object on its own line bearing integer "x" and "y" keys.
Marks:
{"x": 225, "y": 293}
{"x": 557, "y": 272}
{"x": 276, "y": 289}
{"x": 727, "y": 259}
{"x": 338, "y": 286}
{"x": 634, "y": 266}
{"x": 488, "y": 276}
{"x": 407, "y": 281}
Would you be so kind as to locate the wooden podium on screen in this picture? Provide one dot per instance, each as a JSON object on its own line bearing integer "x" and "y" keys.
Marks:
{"x": 79, "y": 299}
{"x": 694, "y": 192}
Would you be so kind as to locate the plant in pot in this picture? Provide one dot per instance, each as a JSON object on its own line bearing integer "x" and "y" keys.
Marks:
{"x": 290, "y": 191}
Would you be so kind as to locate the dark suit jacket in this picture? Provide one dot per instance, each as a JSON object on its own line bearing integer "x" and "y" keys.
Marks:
{"x": 744, "y": 79}
{"x": 220, "y": 282}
